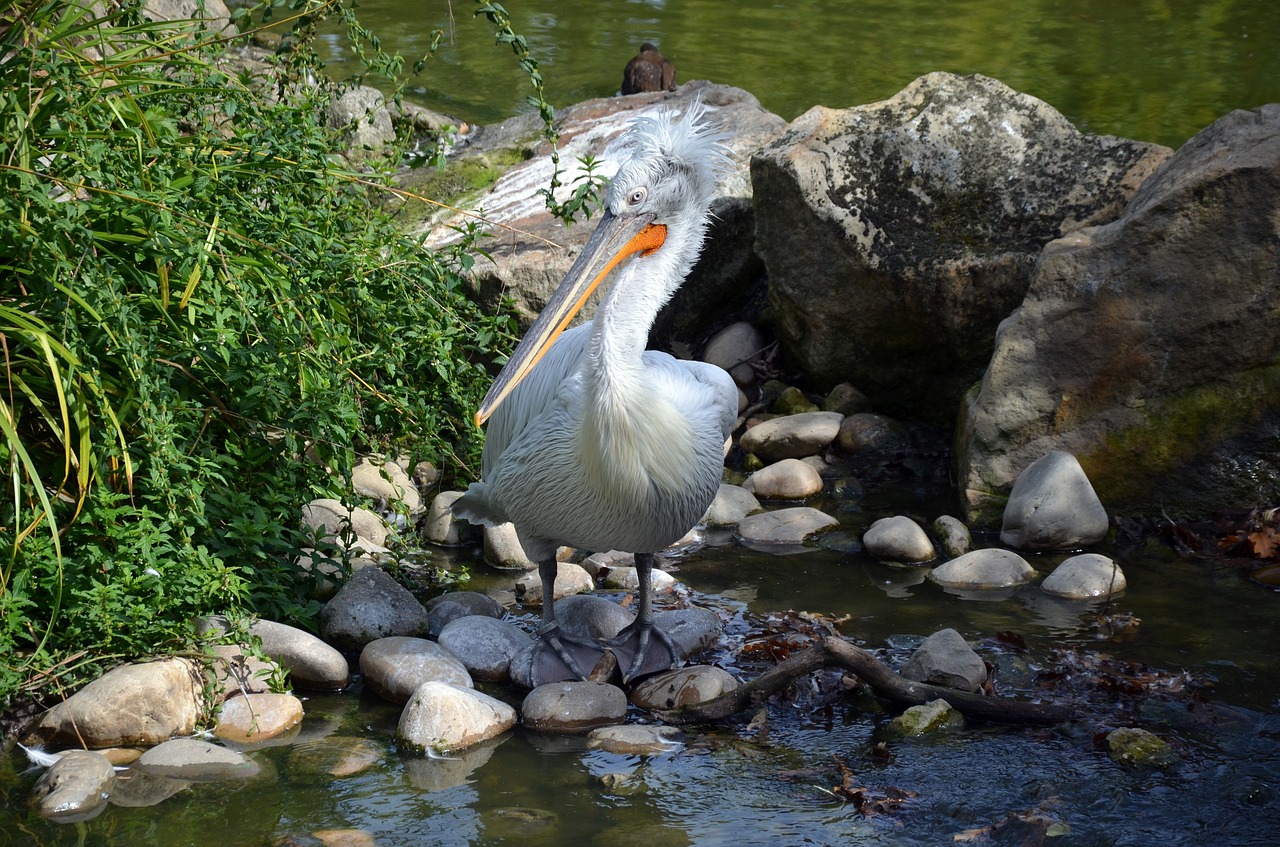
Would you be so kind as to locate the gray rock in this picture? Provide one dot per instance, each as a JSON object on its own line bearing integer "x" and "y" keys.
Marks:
{"x": 985, "y": 568}
{"x": 946, "y": 659}
{"x": 335, "y": 522}
{"x": 573, "y": 706}
{"x": 846, "y": 399}
{"x": 195, "y": 761}
{"x": 1084, "y": 577}
{"x": 394, "y": 668}
{"x": 788, "y": 479}
{"x": 732, "y": 504}
{"x": 693, "y": 630}
{"x": 592, "y": 616}
{"x": 626, "y": 578}
{"x": 1053, "y": 507}
{"x": 371, "y": 606}
{"x": 441, "y": 717}
{"x": 138, "y": 704}
{"x": 441, "y": 527}
{"x": 311, "y": 663}
{"x": 386, "y": 482}
{"x": 484, "y": 645}
{"x": 238, "y": 672}
{"x": 635, "y": 739}
{"x": 362, "y": 112}
{"x": 898, "y": 539}
{"x": 867, "y": 432}
{"x": 934, "y": 716}
{"x": 458, "y": 604}
{"x": 1146, "y": 347}
{"x": 502, "y": 548}
{"x": 526, "y": 269}
{"x": 683, "y": 687}
{"x": 899, "y": 234}
{"x": 953, "y": 535}
{"x": 792, "y": 436}
{"x": 570, "y": 579}
{"x": 734, "y": 348}
{"x": 213, "y": 13}
{"x": 74, "y": 788}
{"x": 135, "y": 789}
{"x": 785, "y": 526}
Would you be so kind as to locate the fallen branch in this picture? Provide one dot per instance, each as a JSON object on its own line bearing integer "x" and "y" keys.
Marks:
{"x": 836, "y": 652}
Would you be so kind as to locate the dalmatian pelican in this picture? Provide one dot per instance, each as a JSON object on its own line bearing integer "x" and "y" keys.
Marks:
{"x": 593, "y": 441}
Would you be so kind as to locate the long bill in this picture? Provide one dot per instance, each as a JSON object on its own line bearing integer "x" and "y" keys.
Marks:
{"x": 615, "y": 238}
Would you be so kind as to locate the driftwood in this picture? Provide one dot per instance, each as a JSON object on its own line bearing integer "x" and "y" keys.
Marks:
{"x": 836, "y": 652}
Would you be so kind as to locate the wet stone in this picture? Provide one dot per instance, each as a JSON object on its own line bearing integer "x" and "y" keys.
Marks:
{"x": 250, "y": 718}
{"x": 136, "y": 789}
{"x": 625, "y": 578}
{"x": 394, "y": 668}
{"x": 441, "y": 717}
{"x": 592, "y": 616}
{"x": 953, "y": 535}
{"x": 986, "y": 568}
{"x": 683, "y": 687}
{"x": 792, "y": 436}
{"x": 484, "y": 645}
{"x": 788, "y": 479}
{"x": 693, "y": 630}
{"x": 785, "y": 526}
{"x": 337, "y": 756}
{"x": 573, "y": 706}
{"x": 934, "y": 716}
{"x": 1084, "y": 577}
{"x": 946, "y": 659}
{"x": 458, "y": 604}
{"x": 196, "y": 761}
{"x": 1140, "y": 748}
{"x": 898, "y": 539}
{"x": 1053, "y": 507}
{"x": 502, "y": 548}
{"x": 371, "y": 606}
{"x": 635, "y": 739}
{"x": 866, "y": 432}
{"x": 516, "y": 824}
{"x": 570, "y": 579}
{"x": 74, "y": 788}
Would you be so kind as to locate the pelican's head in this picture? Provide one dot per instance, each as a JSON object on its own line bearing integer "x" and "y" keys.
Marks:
{"x": 657, "y": 201}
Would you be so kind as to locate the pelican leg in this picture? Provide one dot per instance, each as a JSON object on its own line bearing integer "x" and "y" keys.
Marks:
{"x": 560, "y": 656}
{"x": 643, "y": 648}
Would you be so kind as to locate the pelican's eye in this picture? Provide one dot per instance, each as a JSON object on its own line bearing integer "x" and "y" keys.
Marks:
{"x": 635, "y": 198}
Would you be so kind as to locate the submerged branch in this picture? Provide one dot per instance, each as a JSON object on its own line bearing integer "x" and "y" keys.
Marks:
{"x": 836, "y": 652}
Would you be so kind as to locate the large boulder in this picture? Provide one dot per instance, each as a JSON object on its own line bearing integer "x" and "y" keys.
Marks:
{"x": 528, "y": 257}
{"x": 1147, "y": 347}
{"x": 898, "y": 234}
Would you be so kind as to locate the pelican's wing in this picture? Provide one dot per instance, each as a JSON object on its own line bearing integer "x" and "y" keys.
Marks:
{"x": 723, "y": 391}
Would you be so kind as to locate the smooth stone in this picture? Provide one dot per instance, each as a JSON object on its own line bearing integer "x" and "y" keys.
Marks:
{"x": 953, "y": 535}
{"x": 592, "y": 616}
{"x": 1084, "y": 577}
{"x": 785, "y": 526}
{"x": 1053, "y": 507}
{"x": 370, "y": 606}
{"x": 683, "y": 687}
{"x": 570, "y": 579}
{"x": 635, "y": 739}
{"x": 866, "y": 432}
{"x": 899, "y": 539}
{"x": 732, "y": 504}
{"x": 332, "y": 521}
{"x": 1140, "y": 748}
{"x": 138, "y": 704}
{"x": 792, "y": 436}
{"x": 788, "y": 479}
{"x": 934, "y": 716}
{"x": 693, "y": 630}
{"x": 74, "y": 788}
{"x": 792, "y": 401}
{"x": 484, "y": 645}
{"x": 598, "y": 564}
{"x": 311, "y": 663}
{"x": 946, "y": 659}
{"x": 195, "y": 761}
{"x": 626, "y": 578}
{"x": 573, "y": 706}
{"x": 394, "y": 668}
{"x": 441, "y": 526}
{"x": 985, "y": 568}
{"x": 338, "y": 756}
{"x": 458, "y": 604}
{"x": 846, "y": 399}
{"x": 236, "y": 671}
{"x": 250, "y": 718}
{"x": 438, "y": 773}
{"x": 502, "y": 548}
{"x": 135, "y": 789}
{"x": 441, "y": 717}
{"x": 386, "y": 482}
{"x": 734, "y": 348}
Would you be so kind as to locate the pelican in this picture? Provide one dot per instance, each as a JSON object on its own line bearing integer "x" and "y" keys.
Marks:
{"x": 594, "y": 442}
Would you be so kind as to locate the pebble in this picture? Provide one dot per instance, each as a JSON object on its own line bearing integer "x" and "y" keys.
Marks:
{"x": 788, "y": 479}
{"x": 1053, "y": 507}
{"x": 1084, "y": 577}
{"x": 443, "y": 717}
{"x": 899, "y": 539}
{"x": 683, "y": 687}
{"x": 395, "y": 667}
{"x": 946, "y": 659}
{"x": 370, "y": 606}
{"x": 573, "y": 706}
{"x": 785, "y": 526}
{"x": 570, "y": 579}
{"x": 195, "y": 761}
{"x": 635, "y": 739}
{"x": 484, "y": 645}
{"x": 251, "y": 718}
{"x": 74, "y": 788}
{"x": 732, "y": 504}
{"x": 792, "y": 436}
{"x": 985, "y": 568}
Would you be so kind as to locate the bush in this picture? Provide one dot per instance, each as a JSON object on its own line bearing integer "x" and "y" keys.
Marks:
{"x": 195, "y": 296}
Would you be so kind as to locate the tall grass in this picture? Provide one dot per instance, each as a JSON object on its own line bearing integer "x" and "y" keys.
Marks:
{"x": 202, "y": 312}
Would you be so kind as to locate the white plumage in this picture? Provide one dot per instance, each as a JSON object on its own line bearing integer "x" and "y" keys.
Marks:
{"x": 595, "y": 442}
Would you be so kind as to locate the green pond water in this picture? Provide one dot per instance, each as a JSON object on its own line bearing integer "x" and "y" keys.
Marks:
{"x": 1155, "y": 71}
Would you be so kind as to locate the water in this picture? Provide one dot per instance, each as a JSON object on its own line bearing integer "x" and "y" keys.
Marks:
{"x": 1156, "y": 71}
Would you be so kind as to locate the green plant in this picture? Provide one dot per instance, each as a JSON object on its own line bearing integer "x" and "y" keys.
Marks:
{"x": 204, "y": 313}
